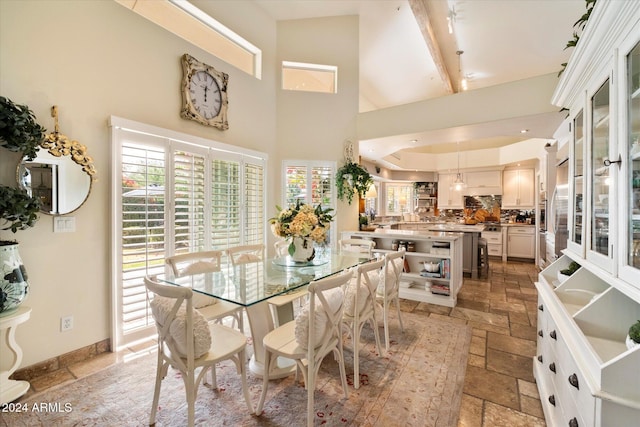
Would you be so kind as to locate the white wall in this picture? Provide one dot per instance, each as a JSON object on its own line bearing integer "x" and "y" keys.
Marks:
{"x": 315, "y": 126}
{"x": 94, "y": 59}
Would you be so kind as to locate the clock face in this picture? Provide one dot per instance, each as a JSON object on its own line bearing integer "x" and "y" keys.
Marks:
{"x": 205, "y": 94}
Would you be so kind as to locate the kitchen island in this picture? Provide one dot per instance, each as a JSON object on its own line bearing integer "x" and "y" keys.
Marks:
{"x": 442, "y": 250}
{"x": 469, "y": 245}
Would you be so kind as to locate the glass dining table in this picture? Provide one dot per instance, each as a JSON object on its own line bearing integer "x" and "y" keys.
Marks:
{"x": 257, "y": 285}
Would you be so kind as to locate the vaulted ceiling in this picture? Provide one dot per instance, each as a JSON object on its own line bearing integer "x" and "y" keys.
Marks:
{"x": 409, "y": 54}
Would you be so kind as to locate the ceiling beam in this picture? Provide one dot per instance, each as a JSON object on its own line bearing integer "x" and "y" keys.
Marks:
{"x": 420, "y": 9}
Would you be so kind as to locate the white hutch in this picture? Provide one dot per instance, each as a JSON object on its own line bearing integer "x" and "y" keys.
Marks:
{"x": 585, "y": 373}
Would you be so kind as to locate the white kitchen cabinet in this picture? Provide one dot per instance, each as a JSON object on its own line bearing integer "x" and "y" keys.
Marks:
{"x": 416, "y": 283}
{"x": 583, "y": 321}
{"x": 448, "y": 197}
{"x": 518, "y": 187}
{"x": 483, "y": 183}
{"x": 521, "y": 242}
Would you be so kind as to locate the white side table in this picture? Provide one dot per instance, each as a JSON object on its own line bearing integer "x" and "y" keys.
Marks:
{"x": 12, "y": 389}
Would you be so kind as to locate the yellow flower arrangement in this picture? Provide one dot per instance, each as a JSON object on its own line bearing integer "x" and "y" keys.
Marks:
{"x": 302, "y": 221}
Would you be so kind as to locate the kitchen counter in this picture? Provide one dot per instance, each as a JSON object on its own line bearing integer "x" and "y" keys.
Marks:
{"x": 443, "y": 235}
{"x": 458, "y": 228}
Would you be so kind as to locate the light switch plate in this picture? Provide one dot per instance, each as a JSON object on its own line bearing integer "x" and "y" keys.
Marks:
{"x": 64, "y": 224}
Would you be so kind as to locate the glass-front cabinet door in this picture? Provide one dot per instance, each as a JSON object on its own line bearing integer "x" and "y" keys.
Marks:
{"x": 578, "y": 180}
{"x": 633, "y": 145}
{"x": 601, "y": 175}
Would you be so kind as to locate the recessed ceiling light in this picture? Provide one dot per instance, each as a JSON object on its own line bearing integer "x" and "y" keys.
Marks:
{"x": 524, "y": 131}
{"x": 414, "y": 141}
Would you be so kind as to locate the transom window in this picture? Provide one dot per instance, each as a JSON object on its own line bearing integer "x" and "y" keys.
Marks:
{"x": 309, "y": 77}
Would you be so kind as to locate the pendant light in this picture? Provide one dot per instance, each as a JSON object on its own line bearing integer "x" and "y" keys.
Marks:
{"x": 458, "y": 184}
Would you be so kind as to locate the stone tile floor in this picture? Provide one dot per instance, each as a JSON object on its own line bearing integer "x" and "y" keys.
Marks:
{"x": 499, "y": 388}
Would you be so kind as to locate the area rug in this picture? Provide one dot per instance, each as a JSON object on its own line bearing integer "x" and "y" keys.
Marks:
{"x": 417, "y": 383}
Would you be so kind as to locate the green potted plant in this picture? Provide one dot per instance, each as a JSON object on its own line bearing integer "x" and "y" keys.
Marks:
{"x": 19, "y": 130}
{"x": 633, "y": 337}
{"x": 352, "y": 179}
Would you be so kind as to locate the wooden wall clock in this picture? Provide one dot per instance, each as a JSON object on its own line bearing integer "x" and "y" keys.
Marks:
{"x": 204, "y": 93}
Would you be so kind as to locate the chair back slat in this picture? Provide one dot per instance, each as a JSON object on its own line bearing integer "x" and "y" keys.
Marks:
{"x": 245, "y": 254}
{"x": 318, "y": 290}
{"x": 195, "y": 262}
{"x": 393, "y": 267}
{"x": 182, "y": 297}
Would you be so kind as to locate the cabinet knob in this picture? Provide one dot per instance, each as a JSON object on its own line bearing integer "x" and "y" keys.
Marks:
{"x": 552, "y": 334}
{"x": 540, "y": 358}
{"x": 541, "y": 307}
{"x": 552, "y": 367}
{"x": 573, "y": 422}
{"x": 573, "y": 380}
{"x": 552, "y": 400}
{"x": 540, "y": 334}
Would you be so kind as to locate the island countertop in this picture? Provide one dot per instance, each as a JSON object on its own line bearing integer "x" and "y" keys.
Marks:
{"x": 458, "y": 228}
{"x": 444, "y": 235}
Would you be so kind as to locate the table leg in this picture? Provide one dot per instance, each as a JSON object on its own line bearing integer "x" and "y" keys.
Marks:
{"x": 10, "y": 390}
{"x": 261, "y": 323}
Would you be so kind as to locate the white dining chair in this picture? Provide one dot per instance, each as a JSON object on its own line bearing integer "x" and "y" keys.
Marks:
{"x": 314, "y": 334}
{"x": 360, "y": 308}
{"x": 187, "y": 342}
{"x": 357, "y": 246}
{"x": 213, "y": 309}
{"x": 389, "y": 288}
{"x": 245, "y": 254}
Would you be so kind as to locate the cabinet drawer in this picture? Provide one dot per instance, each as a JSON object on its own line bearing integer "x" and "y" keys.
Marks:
{"x": 521, "y": 230}
{"x": 572, "y": 384}
{"x": 494, "y": 250}
{"x": 492, "y": 237}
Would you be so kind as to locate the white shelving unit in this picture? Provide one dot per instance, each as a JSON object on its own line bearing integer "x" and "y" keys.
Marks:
{"x": 586, "y": 376}
{"x": 444, "y": 248}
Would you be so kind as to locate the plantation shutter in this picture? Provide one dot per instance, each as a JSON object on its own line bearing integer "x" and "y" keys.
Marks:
{"x": 142, "y": 217}
{"x": 254, "y": 202}
{"x": 189, "y": 202}
{"x": 225, "y": 203}
{"x": 171, "y": 196}
{"x": 311, "y": 182}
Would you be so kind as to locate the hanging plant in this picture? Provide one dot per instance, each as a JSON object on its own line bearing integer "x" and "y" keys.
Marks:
{"x": 19, "y": 130}
{"x": 17, "y": 209}
{"x": 352, "y": 179}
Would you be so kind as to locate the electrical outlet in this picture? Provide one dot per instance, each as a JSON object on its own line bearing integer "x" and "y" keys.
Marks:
{"x": 66, "y": 323}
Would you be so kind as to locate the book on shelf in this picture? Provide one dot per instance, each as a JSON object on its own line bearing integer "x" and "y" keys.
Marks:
{"x": 425, "y": 273}
{"x": 440, "y": 289}
{"x": 445, "y": 268}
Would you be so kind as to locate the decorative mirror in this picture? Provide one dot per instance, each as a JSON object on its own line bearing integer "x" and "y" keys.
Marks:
{"x": 62, "y": 174}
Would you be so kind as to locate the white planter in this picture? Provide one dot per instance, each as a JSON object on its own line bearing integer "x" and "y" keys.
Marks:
{"x": 631, "y": 343}
{"x": 304, "y": 250}
{"x": 13, "y": 279}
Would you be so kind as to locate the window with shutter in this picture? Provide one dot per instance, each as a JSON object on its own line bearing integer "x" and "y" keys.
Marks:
{"x": 174, "y": 194}
{"x": 312, "y": 183}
